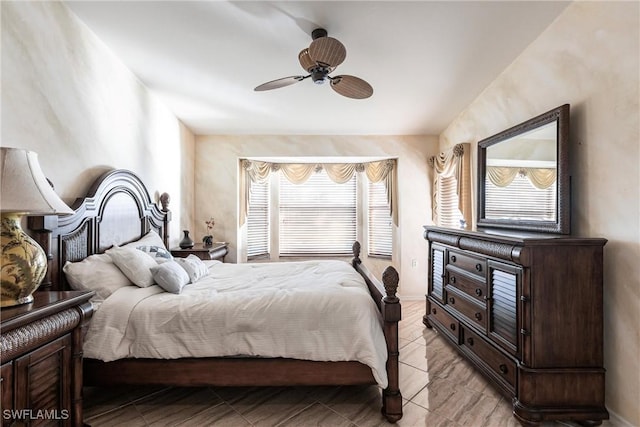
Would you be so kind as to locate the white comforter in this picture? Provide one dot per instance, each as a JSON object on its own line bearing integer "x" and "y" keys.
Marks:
{"x": 313, "y": 310}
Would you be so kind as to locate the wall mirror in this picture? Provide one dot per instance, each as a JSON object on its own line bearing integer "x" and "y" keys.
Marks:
{"x": 523, "y": 176}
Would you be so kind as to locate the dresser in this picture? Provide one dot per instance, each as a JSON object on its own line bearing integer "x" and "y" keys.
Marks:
{"x": 41, "y": 359}
{"x": 526, "y": 310}
{"x": 217, "y": 251}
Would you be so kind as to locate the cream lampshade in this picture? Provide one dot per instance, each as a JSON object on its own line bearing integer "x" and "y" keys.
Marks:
{"x": 24, "y": 190}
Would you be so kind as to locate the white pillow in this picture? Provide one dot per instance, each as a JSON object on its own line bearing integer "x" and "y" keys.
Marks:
{"x": 160, "y": 254}
{"x": 134, "y": 264}
{"x": 150, "y": 239}
{"x": 170, "y": 276}
{"x": 195, "y": 268}
{"x": 95, "y": 273}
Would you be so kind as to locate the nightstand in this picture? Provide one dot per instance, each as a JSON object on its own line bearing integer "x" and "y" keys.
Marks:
{"x": 41, "y": 358}
{"x": 217, "y": 251}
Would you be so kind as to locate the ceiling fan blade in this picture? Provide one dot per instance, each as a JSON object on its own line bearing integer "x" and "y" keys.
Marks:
{"x": 351, "y": 87}
{"x": 278, "y": 83}
{"x": 327, "y": 51}
{"x": 306, "y": 62}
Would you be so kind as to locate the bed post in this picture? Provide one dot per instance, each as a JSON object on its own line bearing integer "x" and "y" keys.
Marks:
{"x": 389, "y": 306}
{"x": 164, "y": 201}
{"x": 391, "y": 314}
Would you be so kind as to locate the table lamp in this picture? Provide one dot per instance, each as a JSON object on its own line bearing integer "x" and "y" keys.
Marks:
{"x": 24, "y": 190}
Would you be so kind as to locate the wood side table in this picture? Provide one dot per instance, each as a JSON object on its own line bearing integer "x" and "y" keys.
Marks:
{"x": 217, "y": 251}
{"x": 41, "y": 359}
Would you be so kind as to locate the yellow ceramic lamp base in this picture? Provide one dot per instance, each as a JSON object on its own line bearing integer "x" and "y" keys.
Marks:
{"x": 24, "y": 263}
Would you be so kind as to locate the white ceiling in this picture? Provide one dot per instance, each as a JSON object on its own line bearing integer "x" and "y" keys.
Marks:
{"x": 426, "y": 60}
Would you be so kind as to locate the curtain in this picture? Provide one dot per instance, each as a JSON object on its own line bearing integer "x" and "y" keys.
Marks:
{"x": 298, "y": 173}
{"x": 454, "y": 162}
{"x": 502, "y": 176}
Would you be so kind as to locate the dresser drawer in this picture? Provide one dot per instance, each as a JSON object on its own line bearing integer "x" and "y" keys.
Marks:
{"x": 448, "y": 324}
{"x": 476, "y": 289}
{"x": 475, "y": 312}
{"x": 499, "y": 365}
{"x": 471, "y": 264}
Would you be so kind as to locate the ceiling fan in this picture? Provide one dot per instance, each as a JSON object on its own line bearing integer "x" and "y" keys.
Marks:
{"x": 319, "y": 59}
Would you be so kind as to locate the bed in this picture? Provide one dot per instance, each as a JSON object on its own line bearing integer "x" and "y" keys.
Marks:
{"x": 118, "y": 210}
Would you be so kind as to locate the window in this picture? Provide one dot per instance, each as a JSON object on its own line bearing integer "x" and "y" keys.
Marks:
{"x": 379, "y": 221}
{"x": 258, "y": 221}
{"x": 317, "y": 217}
{"x": 447, "y": 202}
{"x": 307, "y": 209}
{"x": 539, "y": 204}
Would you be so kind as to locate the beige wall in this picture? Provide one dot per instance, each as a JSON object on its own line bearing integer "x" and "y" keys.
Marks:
{"x": 217, "y": 187}
{"x": 588, "y": 58}
{"x": 66, "y": 97}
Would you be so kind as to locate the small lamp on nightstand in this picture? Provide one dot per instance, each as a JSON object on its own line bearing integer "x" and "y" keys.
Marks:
{"x": 24, "y": 190}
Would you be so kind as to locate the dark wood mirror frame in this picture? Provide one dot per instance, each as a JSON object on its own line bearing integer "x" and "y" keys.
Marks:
{"x": 562, "y": 223}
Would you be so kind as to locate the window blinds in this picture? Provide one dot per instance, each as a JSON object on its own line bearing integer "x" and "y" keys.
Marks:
{"x": 258, "y": 220}
{"x": 317, "y": 217}
{"x": 379, "y": 221}
{"x": 520, "y": 199}
{"x": 448, "y": 213}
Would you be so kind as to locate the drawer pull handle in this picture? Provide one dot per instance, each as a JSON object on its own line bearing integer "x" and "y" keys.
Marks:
{"x": 503, "y": 368}
{"x": 452, "y": 279}
{"x": 453, "y": 258}
{"x": 479, "y": 267}
{"x": 433, "y": 310}
{"x": 453, "y": 326}
{"x": 470, "y": 341}
{"x": 479, "y": 292}
{"x": 452, "y": 300}
{"x": 478, "y": 316}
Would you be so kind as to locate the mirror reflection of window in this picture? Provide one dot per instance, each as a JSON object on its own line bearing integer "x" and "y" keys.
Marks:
{"x": 521, "y": 176}
{"x": 520, "y": 200}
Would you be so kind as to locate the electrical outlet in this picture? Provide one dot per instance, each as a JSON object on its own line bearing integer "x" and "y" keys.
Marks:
{"x": 414, "y": 263}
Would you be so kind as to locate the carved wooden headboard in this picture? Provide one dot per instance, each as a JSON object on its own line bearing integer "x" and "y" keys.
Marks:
{"x": 116, "y": 210}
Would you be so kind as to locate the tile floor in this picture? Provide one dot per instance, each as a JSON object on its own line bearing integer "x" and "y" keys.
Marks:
{"x": 438, "y": 386}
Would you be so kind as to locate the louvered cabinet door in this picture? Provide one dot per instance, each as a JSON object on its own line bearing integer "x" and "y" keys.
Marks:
{"x": 504, "y": 293}
{"x": 41, "y": 383}
{"x": 437, "y": 272}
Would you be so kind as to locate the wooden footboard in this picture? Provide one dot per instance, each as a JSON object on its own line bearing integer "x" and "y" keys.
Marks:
{"x": 389, "y": 306}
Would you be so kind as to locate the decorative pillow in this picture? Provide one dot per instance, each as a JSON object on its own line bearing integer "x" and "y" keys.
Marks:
{"x": 150, "y": 239}
{"x": 170, "y": 276}
{"x": 95, "y": 273}
{"x": 195, "y": 268}
{"x": 160, "y": 254}
{"x": 134, "y": 264}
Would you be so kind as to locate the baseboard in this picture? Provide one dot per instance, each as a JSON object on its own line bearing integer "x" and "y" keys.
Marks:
{"x": 618, "y": 421}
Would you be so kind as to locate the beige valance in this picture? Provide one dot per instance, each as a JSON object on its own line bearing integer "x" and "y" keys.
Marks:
{"x": 298, "y": 173}
{"x": 502, "y": 176}
{"x": 455, "y": 162}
